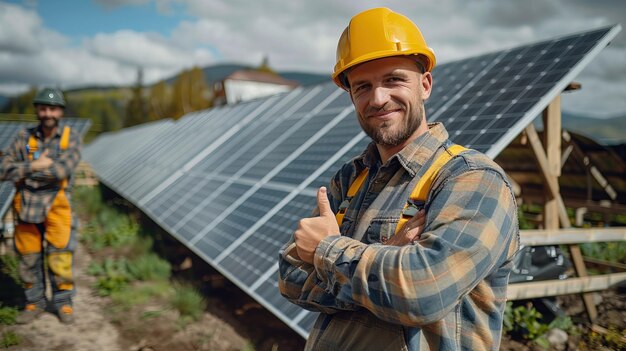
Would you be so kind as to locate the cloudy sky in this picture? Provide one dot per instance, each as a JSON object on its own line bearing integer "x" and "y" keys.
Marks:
{"x": 74, "y": 43}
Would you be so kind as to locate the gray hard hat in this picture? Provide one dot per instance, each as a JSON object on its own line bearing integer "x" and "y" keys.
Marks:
{"x": 49, "y": 96}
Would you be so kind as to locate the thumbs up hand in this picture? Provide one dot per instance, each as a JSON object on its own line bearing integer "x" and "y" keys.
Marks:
{"x": 313, "y": 230}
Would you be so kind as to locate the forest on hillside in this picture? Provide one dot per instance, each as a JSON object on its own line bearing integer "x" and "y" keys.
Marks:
{"x": 119, "y": 107}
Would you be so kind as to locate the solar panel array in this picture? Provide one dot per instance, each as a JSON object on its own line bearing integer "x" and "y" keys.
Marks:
{"x": 232, "y": 182}
{"x": 8, "y": 133}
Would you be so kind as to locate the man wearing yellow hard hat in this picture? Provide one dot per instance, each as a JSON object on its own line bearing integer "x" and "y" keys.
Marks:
{"x": 413, "y": 243}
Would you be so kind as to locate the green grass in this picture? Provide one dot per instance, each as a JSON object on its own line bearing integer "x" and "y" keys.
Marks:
{"x": 87, "y": 200}
{"x": 141, "y": 293}
{"x": 526, "y": 322}
{"x": 9, "y": 339}
{"x": 149, "y": 267}
{"x": 10, "y": 268}
{"x": 188, "y": 302}
{"x": 249, "y": 346}
{"x": 610, "y": 251}
{"x": 8, "y": 315}
{"x": 112, "y": 276}
{"x": 110, "y": 228}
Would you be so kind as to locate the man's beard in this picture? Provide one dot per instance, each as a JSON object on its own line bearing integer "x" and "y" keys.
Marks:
{"x": 49, "y": 122}
{"x": 381, "y": 135}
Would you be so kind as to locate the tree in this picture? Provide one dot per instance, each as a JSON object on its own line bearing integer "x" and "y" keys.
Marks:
{"x": 159, "y": 102}
{"x": 22, "y": 104}
{"x": 136, "y": 108}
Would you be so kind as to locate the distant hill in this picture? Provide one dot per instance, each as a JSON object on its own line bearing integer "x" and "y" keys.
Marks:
{"x": 216, "y": 73}
{"x": 306, "y": 78}
{"x": 608, "y": 131}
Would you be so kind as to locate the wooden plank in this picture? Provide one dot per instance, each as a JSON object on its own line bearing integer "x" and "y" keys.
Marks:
{"x": 579, "y": 265}
{"x": 536, "y": 237}
{"x": 601, "y": 330}
{"x": 531, "y": 290}
{"x": 585, "y": 161}
{"x": 605, "y": 264}
{"x": 552, "y": 143}
{"x": 551, "y": 182}
{"x": 554, "y": 205}
{"x": 552, "y": 135}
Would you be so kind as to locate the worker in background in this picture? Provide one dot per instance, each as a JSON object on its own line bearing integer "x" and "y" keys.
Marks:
{"x": 413, "y": 243}
{"x": 40, "y": 162}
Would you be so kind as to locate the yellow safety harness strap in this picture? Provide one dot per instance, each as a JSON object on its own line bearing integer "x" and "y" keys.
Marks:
{"x": 418, "y": 195}
{"x": 63, "y": 144}
{"x": 354, "y": 188}
{"x": 422, "y": 188}
{"x": 65, "y": 138}
{"x": 33, "y": 147}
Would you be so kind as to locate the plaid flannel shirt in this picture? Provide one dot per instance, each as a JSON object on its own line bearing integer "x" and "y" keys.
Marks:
{"x": 38, "y": 189}
{"x": 446, "y": 291}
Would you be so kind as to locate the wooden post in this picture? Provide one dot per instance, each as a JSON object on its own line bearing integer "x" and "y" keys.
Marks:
{"x": 552, "y": 144}
{"x": 554, "y": 208}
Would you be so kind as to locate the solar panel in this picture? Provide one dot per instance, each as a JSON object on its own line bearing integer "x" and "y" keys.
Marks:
{"x": 8, "y": 133}
{"x": 232, "y": 182}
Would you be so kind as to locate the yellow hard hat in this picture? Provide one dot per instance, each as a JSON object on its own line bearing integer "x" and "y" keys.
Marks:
{"x": 378, "y": 33}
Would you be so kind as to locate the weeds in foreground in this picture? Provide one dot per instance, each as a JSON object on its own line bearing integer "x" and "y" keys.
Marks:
{"x": 9, "y": 339}
{"x": 188, "y": 301}
{"x": 7, "y": 315}
{"x": 141, "y": 293}
{"x": 9, "y": 263}
{"x": 613, "y": 339}
{"x": 113, "y": 276}
{"x": 609, "y": 251}
{"x": 526, "y": 322}
{"x": 110, "y": 228}
{"x": 149, "y": 267}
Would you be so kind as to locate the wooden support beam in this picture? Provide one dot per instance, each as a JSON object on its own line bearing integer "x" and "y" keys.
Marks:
{"x": 573, "y": 86}
{"x": 550, "y": 165}
{"x": 531, "y": 290}
{"x": 552, "y": 144}
{"x": 605, "y": 264}
{"x": 601, "y": 330}
{"x": 552, "y": 135}
{"x": 586, "y": 162}
{"x": 551, "y": 182}
{"x": 537, "y": 237}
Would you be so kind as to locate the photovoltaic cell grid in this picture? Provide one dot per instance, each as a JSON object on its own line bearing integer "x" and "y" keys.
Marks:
{"x": 232, "y": 182}
{"x": 8, "y": 133}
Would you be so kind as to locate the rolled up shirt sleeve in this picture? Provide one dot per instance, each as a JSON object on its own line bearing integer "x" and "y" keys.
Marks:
{"x": 297, "y": 279}
{"x": 471, "y": 222}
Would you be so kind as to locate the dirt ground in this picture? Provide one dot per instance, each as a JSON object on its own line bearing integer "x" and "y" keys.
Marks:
{"x": 233, "y": 321}
{"x": 90, "y": 331}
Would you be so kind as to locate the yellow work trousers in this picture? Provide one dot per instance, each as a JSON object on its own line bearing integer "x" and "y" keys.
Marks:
{"x": 57, "y": 232}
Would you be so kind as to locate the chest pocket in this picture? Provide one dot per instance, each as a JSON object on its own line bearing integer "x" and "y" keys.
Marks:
{"x": 33, "y": 151}
{"x": 381, "y": 229}
{"x": 384, "y": 227}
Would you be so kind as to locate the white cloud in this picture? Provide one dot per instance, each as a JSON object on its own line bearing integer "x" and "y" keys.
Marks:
{"x": 145, "y": 50}
{"x": 21, "y": 31}
{"x": 302, "y": 35}
{"x": 33, "y": 55}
